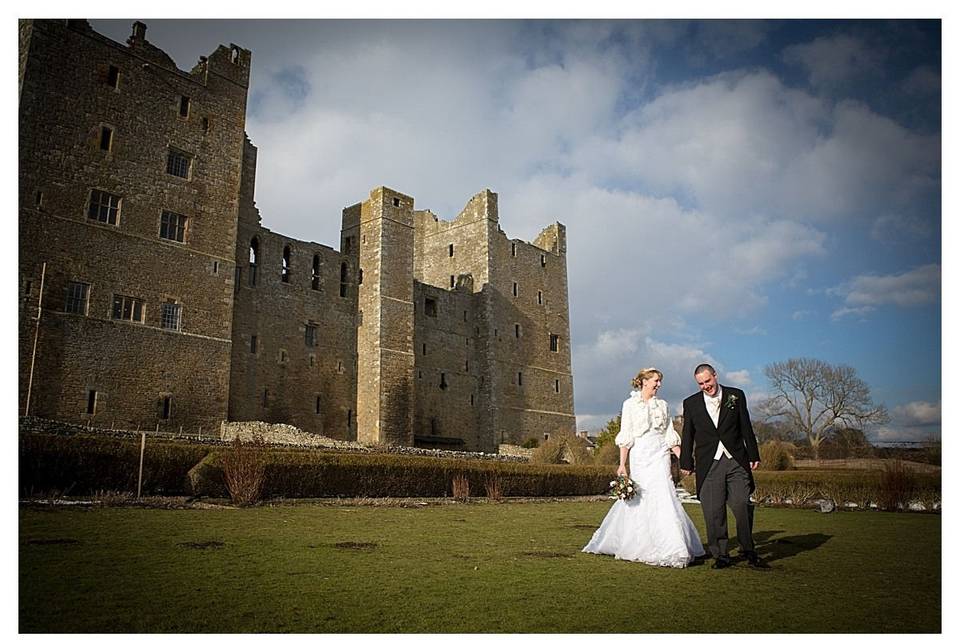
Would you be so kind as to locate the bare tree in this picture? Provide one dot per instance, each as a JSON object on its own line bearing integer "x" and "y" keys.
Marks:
{"x": 814, "y": 397}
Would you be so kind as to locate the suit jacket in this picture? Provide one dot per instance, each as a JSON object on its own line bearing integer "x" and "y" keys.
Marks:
{"x": 698, "y": 444}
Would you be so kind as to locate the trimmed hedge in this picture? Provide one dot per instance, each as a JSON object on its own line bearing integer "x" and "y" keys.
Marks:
{"x": 84, "y": 465}
{"x": 843, "y": 486}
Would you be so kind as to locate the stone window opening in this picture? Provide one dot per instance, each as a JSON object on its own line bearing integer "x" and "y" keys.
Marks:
{"x": 113, "y": 77}
{"x": 443, "y": 381}
{"x": 170, "y": 313}
{"x": 396, "y": 202}
{"x": 104, "y": 207}
{"x": 516, "y": 330}
{"x": 546, "y": 436}
{"x": 471, "y": 399}
{"x": 466, "y": 366}
{"x": 513, "y": 249}
{"x": 316, "y": 408}
{"x": 315, "y": 274}
{"x": 254, "y": 260}
{"x": 253, "y": 343}
{"x": 216, "y": 267}
{"x": 450, "y": 250}
{"x": 127, "y": 308}
{"x": 359, "y": 276}
{"x": 282, "y": 357}
{"x": 237, "y": 273}
{"x": 556, "y": 386}
{"x": 165, "y": 407}
{"x": 339, "y": 366}
{"x": 178, "y": 163}
{"x": 106, "y": 138}
{"x": 235, "y": 55}
{"x": 543, "y": 260}
{"x": 38, "y": 201}
{"x": 519, "y": 378}
{"x": 516, "y": 289}
{"x": 346, "y": 244}
{"x": 91, "y": 402}
{"x": 424, "y": 348}
{"x": 477, "y": 331}
{"x": 184, "y": 106}
{"x": 554, "y": 342}
{"x": 205, "y": 124}
{"x": 310, "y": 335}
{"x": 453, "y": 282}
{"x": 312, "y": 360}
{"x": 419, "y": 374}
{"x": 430, "y": 307}
{"x": 434, "y": 427}
{"x": 173, "y": 226}
{"x": 343, "y": 279}
{"x": 464, "y": 315}
{"x": 77, "y": 298}
{"x": 539, "y": 297}
{"x": 27, "y": 288}
{"x": 349, "y": 420}
{"x": 285, "y": 265}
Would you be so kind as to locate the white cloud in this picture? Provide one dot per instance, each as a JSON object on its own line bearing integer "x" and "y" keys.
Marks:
{"x": 739, "y": 378}
{"x": 858, "y": 312}
{"x": 912, "y": 288}
{"x": 801, "y": 314}
{"x": 830, "y": 61}
{"x": 917, "y": 413}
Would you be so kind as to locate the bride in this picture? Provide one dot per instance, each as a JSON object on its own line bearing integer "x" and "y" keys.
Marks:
{"x": 652, "y": 527}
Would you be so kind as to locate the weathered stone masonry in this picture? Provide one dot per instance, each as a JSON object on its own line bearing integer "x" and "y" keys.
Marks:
{"x": 415, "y": 331}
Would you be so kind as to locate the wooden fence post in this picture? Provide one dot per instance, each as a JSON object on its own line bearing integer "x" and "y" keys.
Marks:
{"x": 143, "y": 444}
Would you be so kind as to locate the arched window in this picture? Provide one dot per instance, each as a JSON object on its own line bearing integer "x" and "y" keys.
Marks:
{"x": 343, "y": 279}
{"x": 254, "y": 260}
{"x": 285, "y": 265}
{"x": 315, "y": 275}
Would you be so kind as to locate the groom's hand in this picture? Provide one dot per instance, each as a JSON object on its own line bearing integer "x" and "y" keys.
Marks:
{"x": 754, "y": 465}
{"x": 686, "y": 472}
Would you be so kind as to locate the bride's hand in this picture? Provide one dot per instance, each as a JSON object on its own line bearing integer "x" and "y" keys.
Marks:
{"x": 622, "y": 471}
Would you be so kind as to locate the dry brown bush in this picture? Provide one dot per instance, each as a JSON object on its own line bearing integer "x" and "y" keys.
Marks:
{"x": 491, "y": 485}
{"x": 776, "y": 455}
{"x": 461, "y": 487}
{"x": 243, "y": 470}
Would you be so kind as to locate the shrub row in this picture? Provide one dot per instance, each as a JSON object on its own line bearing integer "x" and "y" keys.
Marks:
{"x": 85, "y": 465}
{"x": 889, "y": 489}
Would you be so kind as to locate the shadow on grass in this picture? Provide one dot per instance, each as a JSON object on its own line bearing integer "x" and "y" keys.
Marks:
{"x": 771, "y": 548}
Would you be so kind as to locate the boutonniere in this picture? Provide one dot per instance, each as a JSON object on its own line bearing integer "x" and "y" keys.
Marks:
{"x": 732, "y": 401}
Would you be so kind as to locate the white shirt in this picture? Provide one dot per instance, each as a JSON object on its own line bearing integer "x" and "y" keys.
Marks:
{"x": 713, "y": 410}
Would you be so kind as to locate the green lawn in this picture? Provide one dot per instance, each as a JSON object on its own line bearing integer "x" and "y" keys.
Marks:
{"x": 511, "y": 567}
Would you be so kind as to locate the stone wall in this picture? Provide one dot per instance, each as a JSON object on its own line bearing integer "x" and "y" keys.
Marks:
{"x": 80, "y": 131}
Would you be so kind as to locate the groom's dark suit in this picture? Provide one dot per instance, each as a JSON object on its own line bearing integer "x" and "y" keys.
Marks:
{"x": 730, "y": 481}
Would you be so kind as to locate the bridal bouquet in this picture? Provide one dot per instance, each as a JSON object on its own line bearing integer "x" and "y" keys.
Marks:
{"x": 622, "y": 488}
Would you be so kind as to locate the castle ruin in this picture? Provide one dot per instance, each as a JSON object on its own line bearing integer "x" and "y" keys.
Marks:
{"x": 151, "y": 295}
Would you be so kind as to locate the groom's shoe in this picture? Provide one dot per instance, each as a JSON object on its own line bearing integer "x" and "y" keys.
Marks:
{"x": 722, "y": 562}
{"x": 754, "y": 560}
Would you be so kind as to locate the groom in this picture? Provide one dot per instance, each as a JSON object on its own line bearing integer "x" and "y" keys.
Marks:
{"x": 718, "y": 434}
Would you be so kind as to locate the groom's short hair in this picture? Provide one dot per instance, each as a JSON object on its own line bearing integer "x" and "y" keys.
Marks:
{"x": 704, "y": 367}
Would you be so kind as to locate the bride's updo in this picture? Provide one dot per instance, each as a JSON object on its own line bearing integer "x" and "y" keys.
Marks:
{"x": 645, "y": 374}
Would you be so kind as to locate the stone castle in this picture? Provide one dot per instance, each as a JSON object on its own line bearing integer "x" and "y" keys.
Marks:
{"x": 151, "y": 296}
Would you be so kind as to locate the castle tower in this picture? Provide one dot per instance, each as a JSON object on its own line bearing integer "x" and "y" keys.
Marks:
{"x": 385, "y": 359}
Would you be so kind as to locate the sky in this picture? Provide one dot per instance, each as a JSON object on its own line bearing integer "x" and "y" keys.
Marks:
{"x": 739, "y": 192}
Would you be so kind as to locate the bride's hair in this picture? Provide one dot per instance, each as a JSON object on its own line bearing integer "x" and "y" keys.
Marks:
{"x": 644, "y": 374}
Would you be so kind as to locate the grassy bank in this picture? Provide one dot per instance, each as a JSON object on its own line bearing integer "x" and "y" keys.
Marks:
{"x": 460, "y": 568}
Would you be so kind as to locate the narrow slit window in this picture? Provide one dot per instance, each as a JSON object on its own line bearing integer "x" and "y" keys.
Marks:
{"x": 106, "y": 138}
{"x": 343, "y": 279}
{"x": 519, "y": 378}
{"x": 254, "y": 261}
{"x": 39, "y": 199}
{"x": 253, "y": 343}
{"x": 554, "y": 342}
{"x": 556, "y": 386}
{"x": 166, "y": 407}
{"x": 443, "y": 381}
{"x": 285, "y": 265}
{"x": 91, "y": 401}
{"x": 453, "y": 281}
{"x": 430, "y": 307}
{"x": 516, "y": 289}
{"x": 450, "y": 250}
{"x": 113, "y": 77}
{"x": 539, "y": 297}
{"x": 513, "y": 250}
{"x": 516, "y": 330}
{"x": 543, "y": 260}
{"x": 184, "y": 106}
{"x": 316, "y": 409}
{"x": 315, "y": 274}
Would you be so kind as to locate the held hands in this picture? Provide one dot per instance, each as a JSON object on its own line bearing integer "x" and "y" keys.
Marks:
{"x": 685, "y": 472}
{"x": 622, "y": 471}
{"x": 754, "y": 465}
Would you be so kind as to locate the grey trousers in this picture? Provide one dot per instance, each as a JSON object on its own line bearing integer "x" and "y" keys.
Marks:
{"x": 726, "y": 484}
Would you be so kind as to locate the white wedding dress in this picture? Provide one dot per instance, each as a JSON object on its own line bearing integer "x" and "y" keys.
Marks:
{"x": 651, "y": 527}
